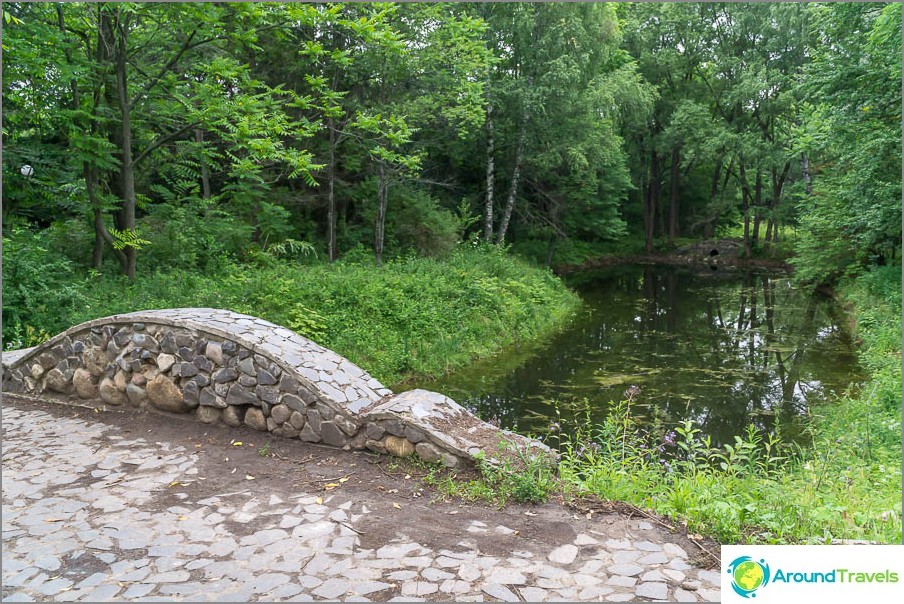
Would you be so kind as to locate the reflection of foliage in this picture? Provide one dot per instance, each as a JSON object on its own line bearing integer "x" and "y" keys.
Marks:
{"x": 722, "y": 352}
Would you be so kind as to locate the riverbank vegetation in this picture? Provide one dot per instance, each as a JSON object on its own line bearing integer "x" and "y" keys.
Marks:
{"x": 374, "y": 175}
{"x": 841, "y": 482}
{"x": 844, "y": 482}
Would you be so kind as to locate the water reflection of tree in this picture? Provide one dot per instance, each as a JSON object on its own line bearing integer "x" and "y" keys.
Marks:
{"x": 751, "y": 344}
{"x": 721, "y": 351}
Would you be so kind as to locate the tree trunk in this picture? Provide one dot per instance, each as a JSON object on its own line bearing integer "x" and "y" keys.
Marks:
{"x": 778, "y": 185}
{"x": 97, "y": 254}
{"x": 89, "y": 172}
{"x": 123, "y": 183}
{"x": 205, "y": 171}
{"x": 805, "y": 169}
{"x": 673, "y": 195}
{"x": 491, "y": 177}
{"x": 647, "y": 212}
{"x": 513, "y": 188}
{"x": 745, "y": 203}
{"x": 550, "y": 248}
{"x": 709, "y": 227}
{"x": 655, "y": 197}
{"x": 382, "y": 187}
{"x": 757, "y": 205}
{"x": 331, "y": 194}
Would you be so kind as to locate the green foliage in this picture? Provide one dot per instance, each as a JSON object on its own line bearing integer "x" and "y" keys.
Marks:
{"x": 193, "y": 235}
{"x": 40, "y": 293}
{"x": 420, "y": 225}
{"x": 876, "y": 298}
{"x": 415, "y": 316}
{"x": 250, "y": 124}
{"x": 524, "y": 480}
{"x": 852, "y": 129}
{"x": 127, "y": 238}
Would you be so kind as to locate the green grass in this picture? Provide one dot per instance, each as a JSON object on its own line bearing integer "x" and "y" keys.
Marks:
{"x": 574, "y": 251}
{"x": 414, "y": 316}
{"x": 845, "y": 485}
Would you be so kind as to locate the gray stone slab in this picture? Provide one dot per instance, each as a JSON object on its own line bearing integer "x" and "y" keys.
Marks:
{"x": 564, "y": 554}
{"x": 500, "y": 592}
{"x": 332, "y": 589}
{"x": 654, "y": 591}
{"x": 625, "y": 570}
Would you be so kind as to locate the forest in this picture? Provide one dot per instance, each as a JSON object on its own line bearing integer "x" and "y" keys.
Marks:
{"x": 162, "y": 136}
{"x": 395, "y": 180}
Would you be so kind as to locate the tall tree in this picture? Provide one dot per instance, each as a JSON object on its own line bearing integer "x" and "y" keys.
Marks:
{"x": 850, "y": 140}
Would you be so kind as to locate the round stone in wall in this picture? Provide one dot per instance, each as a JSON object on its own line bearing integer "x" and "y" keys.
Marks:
{"x": 280, "y": 413}
{"x": 255, "y": 419}
{"x": 166, "y": 396}
{"x": 84, "y": 383}
{"x": 233, "y": 415}
{"x": 56, "y": 381}
{"x": 109, "y": 393}
{"x": 209, "y": 415}
{"x": 165, "y": 361}
{"x": 136, "y": 395}
{"x": 399, "y": 447}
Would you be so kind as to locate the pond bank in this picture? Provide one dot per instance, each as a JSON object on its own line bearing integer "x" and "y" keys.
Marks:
{"x": 712, "y": 254}
{"x": 413, "y": 316}
{"x": 841, "y": 483}
{"x": 724, "y": 348}
{"x": 845, "y": 485}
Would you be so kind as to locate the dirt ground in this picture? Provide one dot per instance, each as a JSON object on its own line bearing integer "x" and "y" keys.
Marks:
{"x": 390, "y": 486}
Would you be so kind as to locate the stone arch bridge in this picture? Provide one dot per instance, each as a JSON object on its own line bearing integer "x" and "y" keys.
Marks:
{"x": 223, "y": 367}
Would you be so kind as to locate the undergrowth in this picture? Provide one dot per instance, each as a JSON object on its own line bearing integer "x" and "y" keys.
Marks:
{"x": 413, "y": 316}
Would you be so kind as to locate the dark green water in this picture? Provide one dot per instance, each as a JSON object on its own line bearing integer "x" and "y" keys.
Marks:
{"x": 724, "y": 349}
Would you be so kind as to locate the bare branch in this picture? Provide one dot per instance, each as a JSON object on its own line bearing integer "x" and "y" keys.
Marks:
{"x": 162, "y": 141}
{"x": 169, "y": 64}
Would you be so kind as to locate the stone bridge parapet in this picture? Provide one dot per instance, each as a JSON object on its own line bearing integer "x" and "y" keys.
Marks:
{"x": 224, "y": 367}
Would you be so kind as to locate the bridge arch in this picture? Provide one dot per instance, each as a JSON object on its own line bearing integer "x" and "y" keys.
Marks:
{"x": 224, "y": 367}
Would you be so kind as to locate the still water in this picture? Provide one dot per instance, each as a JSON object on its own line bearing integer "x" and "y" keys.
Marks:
{"x": 722, "y": 348}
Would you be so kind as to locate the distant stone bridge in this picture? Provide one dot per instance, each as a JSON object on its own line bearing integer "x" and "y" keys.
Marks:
{"x": 224, "y": 367}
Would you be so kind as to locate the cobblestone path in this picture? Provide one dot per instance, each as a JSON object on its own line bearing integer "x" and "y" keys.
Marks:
{"x": 92, "y": 514}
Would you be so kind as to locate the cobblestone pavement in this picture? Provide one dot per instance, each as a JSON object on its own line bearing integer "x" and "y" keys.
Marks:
{"x": 92, "y": 513}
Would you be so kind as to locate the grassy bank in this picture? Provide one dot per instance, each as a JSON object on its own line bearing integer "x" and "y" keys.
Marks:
{"x": 845, "y": 485}
{"x": 414, "y": 316}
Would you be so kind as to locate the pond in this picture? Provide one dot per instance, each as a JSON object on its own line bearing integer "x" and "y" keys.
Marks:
{"x": 724, "y": 348}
